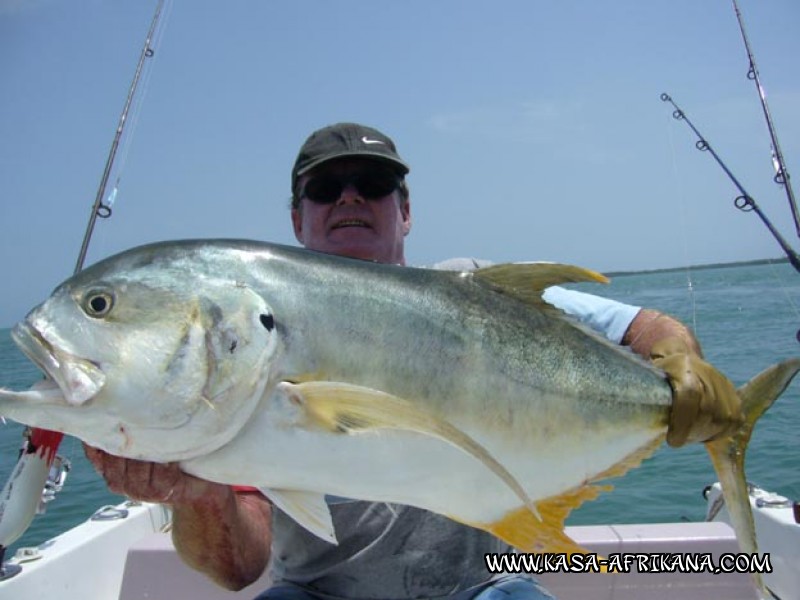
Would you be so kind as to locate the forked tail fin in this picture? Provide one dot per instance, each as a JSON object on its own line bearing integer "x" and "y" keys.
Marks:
{"x": 727, "y": 454}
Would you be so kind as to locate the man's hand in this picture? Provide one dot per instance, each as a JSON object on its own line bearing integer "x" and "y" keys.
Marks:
{"x": 705, "y": 405}
{"x": 150, "y": 482}
{"x": 222, "y": 533}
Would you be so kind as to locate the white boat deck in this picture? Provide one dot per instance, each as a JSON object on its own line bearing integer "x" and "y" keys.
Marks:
{"x": 154, "y": 571}
{"x": 131, "y": 558}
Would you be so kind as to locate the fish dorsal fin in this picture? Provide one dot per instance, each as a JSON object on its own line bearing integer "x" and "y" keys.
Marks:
{"x": 527, "y": 281}
{"x": 350, "y": 409}
{"x": 309, "y": 509}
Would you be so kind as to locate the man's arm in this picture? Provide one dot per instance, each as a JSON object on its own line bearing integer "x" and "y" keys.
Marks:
{"x": 650, "y": 327}
{"x": 220, "y": 532}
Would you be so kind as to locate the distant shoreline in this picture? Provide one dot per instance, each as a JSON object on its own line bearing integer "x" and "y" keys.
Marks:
{"x": 744, "y": 263}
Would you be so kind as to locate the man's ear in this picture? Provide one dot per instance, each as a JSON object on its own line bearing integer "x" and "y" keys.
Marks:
{"x": 405, "y": 211}
{"x": 297, "y": 224}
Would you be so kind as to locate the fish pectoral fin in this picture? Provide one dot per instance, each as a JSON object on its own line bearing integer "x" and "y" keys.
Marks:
{"x": 309, "y": 509}
{"x": 728, "y": 453}
{"x": 345, "y": 408}
{"x": 527, "y": 281}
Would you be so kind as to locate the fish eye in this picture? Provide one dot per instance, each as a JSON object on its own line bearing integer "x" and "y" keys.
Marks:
{"x": 98, "y": 304}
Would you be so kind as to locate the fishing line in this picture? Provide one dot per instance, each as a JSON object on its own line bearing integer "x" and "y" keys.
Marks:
{"x": 781, "y": 283}
{"x": 685, "y": 225}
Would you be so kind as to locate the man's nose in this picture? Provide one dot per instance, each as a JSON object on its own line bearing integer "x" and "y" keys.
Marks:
{"x": 350, "y": 195}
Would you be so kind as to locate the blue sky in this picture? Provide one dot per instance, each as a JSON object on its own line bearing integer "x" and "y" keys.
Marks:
{"x": 534, "y": 129}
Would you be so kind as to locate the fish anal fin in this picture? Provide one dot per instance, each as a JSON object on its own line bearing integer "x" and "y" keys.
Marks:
{"x": 525, "y": 531}
{"x": 527, "y": 281}
{"x": 522, "y": 529}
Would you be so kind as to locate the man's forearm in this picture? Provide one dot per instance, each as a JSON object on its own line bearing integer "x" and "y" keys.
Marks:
{"x": 650, "y": 326}
{"x": 227, "y": 536}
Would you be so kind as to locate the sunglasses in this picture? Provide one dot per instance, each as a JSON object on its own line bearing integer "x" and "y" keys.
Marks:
{"x": 371, "y": 184}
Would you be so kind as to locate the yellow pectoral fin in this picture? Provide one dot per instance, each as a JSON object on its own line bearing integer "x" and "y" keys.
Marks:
{"x": 345, "y": 408}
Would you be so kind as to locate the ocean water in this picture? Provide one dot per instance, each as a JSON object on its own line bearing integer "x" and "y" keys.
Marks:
{"x": 746, "y": 318}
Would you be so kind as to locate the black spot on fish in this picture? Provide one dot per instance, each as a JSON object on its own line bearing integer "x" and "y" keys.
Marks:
{"x": 232, "y": 347}
{"x": 268, "y": 321}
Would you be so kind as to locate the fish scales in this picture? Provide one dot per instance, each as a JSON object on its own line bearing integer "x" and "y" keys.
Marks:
{"x": 464, "y": 336}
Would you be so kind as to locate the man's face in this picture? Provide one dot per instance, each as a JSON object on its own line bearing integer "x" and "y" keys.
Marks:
{"x": 352, "y": 224}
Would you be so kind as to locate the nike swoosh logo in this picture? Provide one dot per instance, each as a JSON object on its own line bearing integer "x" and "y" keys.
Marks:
{"x": 366, "y": 140}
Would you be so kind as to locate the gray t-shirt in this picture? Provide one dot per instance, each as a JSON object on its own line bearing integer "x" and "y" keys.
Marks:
{"x": 394, "y": 551}
{"x": 384, "y": 551}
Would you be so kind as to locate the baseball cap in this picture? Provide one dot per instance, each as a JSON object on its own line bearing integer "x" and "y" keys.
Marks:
{"x": 342, "y": 140}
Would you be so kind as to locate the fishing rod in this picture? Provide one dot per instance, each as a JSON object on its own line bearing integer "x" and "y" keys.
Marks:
{"x": 40, "y": 472}
{"x": 781, "y": 172}
{"x": 745, "y": 202}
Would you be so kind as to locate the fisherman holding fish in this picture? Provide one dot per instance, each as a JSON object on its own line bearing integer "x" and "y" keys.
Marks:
{"x": 350, "y": 198}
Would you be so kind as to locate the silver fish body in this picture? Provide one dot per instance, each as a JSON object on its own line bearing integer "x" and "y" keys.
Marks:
{"x": 305, "y": 374}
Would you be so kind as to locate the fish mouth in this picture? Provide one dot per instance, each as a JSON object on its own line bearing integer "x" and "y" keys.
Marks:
{"x": 80, "y": 379}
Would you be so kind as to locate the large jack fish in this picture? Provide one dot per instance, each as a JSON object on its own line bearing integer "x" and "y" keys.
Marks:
{"x": 304, "y": 374}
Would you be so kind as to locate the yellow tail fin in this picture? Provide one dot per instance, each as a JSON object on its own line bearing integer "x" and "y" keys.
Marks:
{"x": 727, "y": 454}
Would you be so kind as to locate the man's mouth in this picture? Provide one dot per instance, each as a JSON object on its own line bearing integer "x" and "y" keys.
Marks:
{"x": 351, "y": 223}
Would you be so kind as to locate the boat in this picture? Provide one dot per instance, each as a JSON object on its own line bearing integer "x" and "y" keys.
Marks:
{"x": 777, "y": 520}
{"x": 126, "y": 552}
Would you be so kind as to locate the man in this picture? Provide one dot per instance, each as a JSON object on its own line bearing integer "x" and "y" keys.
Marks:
{"x": 349, "y": 198}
